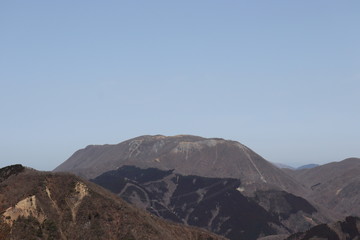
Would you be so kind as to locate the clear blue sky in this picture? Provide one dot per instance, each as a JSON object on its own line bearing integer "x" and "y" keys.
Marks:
{"x": 282, "y": 77}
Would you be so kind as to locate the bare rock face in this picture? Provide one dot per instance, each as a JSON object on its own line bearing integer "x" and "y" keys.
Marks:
{"x": 39, "y": 205}
{"x": 187, "y": 155}
{"x": 336, "y": 186}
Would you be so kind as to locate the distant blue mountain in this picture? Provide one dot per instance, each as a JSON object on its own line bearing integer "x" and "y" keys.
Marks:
{"x": 307, "y": 166}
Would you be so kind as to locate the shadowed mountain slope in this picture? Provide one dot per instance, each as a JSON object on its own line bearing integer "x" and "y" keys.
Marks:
{"x": 42, "y": 205}
{"x": 349, "y": 229}
{"x": 187, "y": 155}
{"x": 216, "y": 204}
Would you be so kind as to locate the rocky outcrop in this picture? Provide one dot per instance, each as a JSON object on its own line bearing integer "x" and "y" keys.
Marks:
{"x": 24, "y": 208}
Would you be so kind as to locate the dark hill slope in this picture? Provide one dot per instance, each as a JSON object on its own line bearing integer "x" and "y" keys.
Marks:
{"x": 216, "y": 204}
{"x": 187, "y": 155}
{"x": 349, "y": 229}
{"x": 39, "y": 205}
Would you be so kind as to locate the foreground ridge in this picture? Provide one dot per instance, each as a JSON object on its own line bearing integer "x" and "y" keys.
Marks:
{"x": 44, "y": 205}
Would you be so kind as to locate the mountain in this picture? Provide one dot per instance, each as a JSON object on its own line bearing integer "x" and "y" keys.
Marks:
{"x": 307, "y": 166}
{"x": 284, "y": 166}
{"x": 43, "y": 205}
{"x": 187, "y": 155}
{"x": 216, "y": 204}
{"x": 276, "y": 201}
{"x": 336, "y": 186}
{"x": 348, "y": 229}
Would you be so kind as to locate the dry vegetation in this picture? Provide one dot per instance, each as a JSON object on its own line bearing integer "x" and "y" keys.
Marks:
{"x": 76, "y": 209}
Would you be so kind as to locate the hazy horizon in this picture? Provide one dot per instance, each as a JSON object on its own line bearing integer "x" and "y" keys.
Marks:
{"x": 280, "y": 77}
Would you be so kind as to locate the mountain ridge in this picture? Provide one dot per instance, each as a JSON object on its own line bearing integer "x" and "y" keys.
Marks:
{"x": 334, "y": 185}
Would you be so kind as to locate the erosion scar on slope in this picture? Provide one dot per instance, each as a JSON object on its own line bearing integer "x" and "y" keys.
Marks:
{"x": 252, "y": 162}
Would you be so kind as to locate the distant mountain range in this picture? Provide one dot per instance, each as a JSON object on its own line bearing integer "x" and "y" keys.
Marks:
{"x": 307, "y": 166}
{"x": 44, "y": 205}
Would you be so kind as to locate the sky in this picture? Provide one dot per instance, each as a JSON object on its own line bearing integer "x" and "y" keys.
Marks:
{"x": 281, "y": 77}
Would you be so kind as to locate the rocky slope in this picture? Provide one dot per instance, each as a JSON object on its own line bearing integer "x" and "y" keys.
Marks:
{"x": 38, "y": 205}
{"x": 216, "y": 204}
{"x": 187, "y": 155}
{"x": 336, "y": 186}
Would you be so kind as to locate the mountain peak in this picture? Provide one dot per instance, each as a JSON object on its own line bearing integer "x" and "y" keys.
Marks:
{"x": 187, "y": 155}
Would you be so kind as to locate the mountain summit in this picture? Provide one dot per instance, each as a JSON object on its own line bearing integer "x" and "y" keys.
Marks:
{"x": 186, "y": 155}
